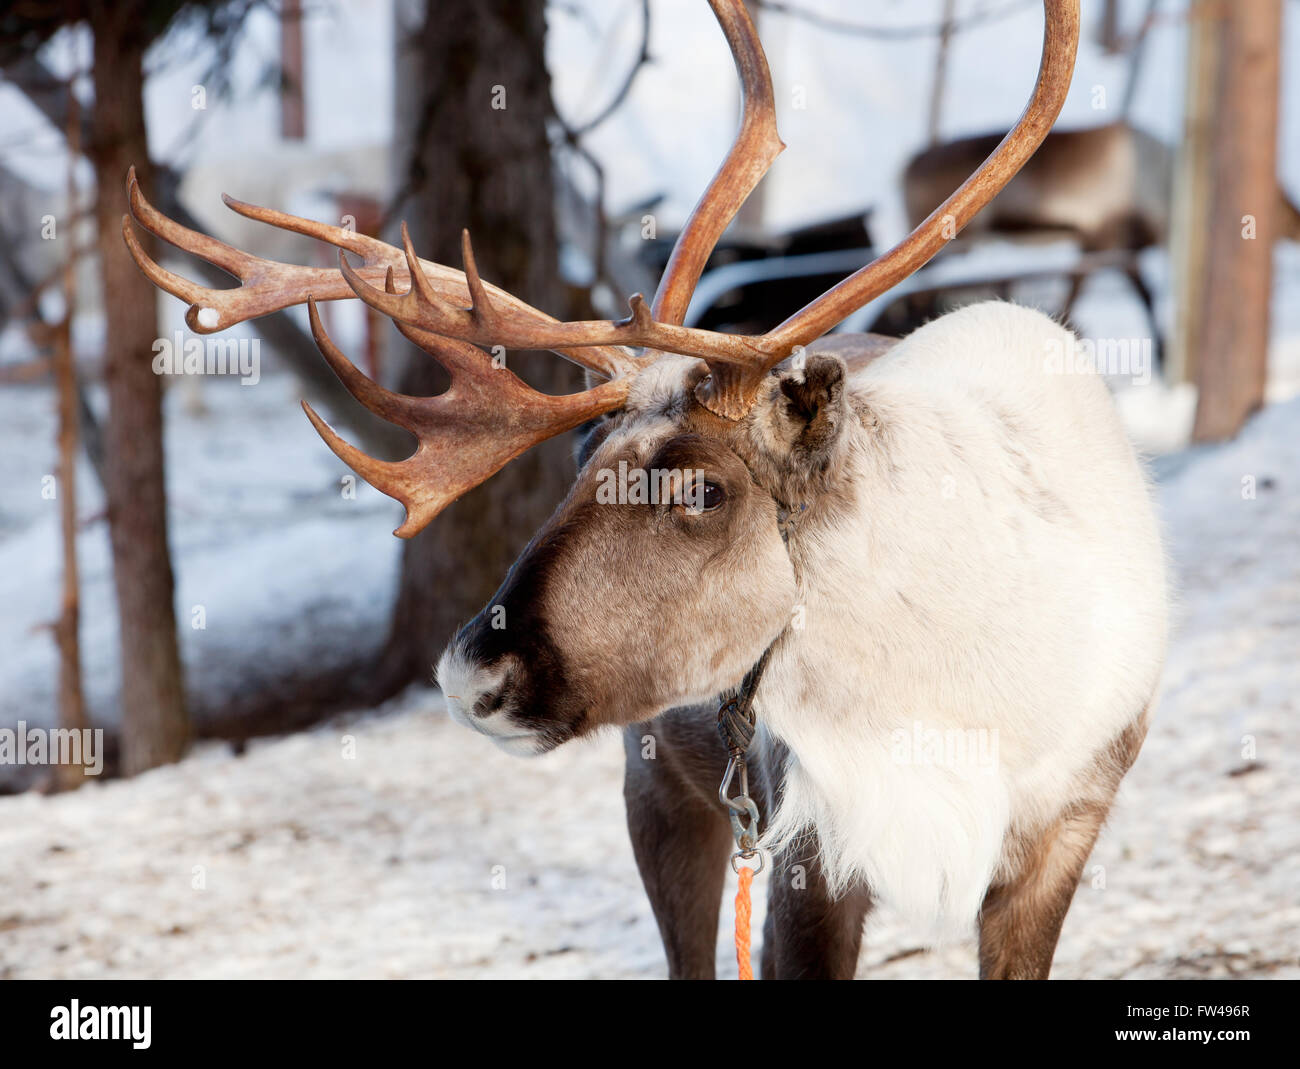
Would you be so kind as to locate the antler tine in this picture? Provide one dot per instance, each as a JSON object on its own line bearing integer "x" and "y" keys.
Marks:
{"x": 421, "y": 291}
{"x": 395, "y": 407}
{"x": 1055, "y": 69}
{"x": 265, "y": 285}
{"x": 729, "y": 391}
{"x": 371, "y": 249}
{"x": 190, "y": 292}
{"x": 231, "y": 260}
{"x": 488, "y": 417}
{"x": 269, "y": 286}
{"x": 419, "y": 306}
{"x": 756, "y": 145}
{"x": 478, "y": 295}
{"x": 416, "y": 305}
{"x": 462, "y": 360}
{"x": 391, "y": 477}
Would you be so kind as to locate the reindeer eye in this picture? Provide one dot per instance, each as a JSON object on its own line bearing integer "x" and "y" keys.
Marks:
{"x": 700, "y": 496}
{"x": 712, "y": 497}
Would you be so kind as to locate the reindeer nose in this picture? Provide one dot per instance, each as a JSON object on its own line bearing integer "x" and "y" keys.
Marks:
{"x": 491, "y": 700}
{"x": 477, "y": 704}
{"x": 479, "y": 697}
{"x": 474, "y": 692}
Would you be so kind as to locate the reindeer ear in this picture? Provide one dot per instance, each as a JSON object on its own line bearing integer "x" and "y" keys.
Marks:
{"x": 811, "y": 405}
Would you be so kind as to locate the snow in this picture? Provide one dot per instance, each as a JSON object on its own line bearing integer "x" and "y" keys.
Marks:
{"x": 428, "y": 853}
{"x": 314, "y": 864}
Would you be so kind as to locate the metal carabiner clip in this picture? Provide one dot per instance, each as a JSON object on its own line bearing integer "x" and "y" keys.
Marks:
{"x": 742, "y": 809}
{"x": 735, "y": 761}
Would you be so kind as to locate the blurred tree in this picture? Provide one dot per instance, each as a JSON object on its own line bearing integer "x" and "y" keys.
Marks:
{"x": 155, "y": 724}
{"x": 1108, "y": 32}
{"x": 67, "y": 630}
{"x": 474, "y": 102}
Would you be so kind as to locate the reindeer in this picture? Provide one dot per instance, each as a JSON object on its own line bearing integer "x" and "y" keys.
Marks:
{"x": 933, "y": 538}
{"x": 1109, "y": 188}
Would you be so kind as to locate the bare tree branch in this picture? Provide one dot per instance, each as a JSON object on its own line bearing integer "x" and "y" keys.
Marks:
{"x": 571, "y": 138}
{"x": 642, "y": 58}
{"x": 889, "y": 33}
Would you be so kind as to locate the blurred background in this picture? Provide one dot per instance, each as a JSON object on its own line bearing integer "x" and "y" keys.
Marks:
{"x": 185, "y": 568}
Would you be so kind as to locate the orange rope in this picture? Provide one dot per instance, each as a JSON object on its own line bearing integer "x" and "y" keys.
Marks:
{"x": 742, "y": 922}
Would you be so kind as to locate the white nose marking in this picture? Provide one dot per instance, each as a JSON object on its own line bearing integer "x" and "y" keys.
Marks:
{"x": 464, "y": 683}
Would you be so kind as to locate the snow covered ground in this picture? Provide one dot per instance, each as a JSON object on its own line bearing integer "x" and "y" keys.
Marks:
{"x": 396, "y": 844}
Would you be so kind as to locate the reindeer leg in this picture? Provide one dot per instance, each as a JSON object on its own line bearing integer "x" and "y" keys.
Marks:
{"x": 1021, "y": 918}
{"x": 681, "y": 838}
{"x": 810, "y": 935}
{"x": 680, "y": 833}
{"x": 1076, "y": 287}
{"x": 1140, "y": 287}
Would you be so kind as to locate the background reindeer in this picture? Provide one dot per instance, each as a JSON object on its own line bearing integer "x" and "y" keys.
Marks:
{"x": 969, "y": 548}
{"x": 1109, "y": 188}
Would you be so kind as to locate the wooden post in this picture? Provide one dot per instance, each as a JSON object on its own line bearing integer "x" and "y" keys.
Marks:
{"x": 1108, "y": 34}
{"x": 1190, "y": 210}
{"x": 293, "y": 111}
{"x": 367, "y": 216}
{"x": 1232, "y": 344}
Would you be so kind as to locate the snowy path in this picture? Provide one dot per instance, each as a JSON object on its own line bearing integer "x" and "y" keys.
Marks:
{"x": 428, "y": 853}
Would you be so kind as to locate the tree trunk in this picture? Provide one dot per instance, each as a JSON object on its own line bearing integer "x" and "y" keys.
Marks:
{"x": 155, "y": 726}
{"x": 67, "y": 631}
{"x": 1232, "y": 361}
{"x": 479, "y": 158}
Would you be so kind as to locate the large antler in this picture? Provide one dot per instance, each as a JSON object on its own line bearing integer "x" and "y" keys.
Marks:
{"x": 267, "y": 286}
{"x": 451, "y": 313}
{"x": 657, "y": 328}
{"x": 737, "y": 362}
{"x": 756, "y": 145}
{"x": 466, "y": 434}
{"x": 730, "y": 391}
